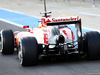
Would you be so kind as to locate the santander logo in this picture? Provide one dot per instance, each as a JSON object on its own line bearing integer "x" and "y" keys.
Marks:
{"x": 61, "y": 19}
{"x": 48, "y": 20}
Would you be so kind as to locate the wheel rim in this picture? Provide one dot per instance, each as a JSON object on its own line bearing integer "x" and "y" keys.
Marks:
{"x": 1, "y": 41}
{"x": 20, "y": 54}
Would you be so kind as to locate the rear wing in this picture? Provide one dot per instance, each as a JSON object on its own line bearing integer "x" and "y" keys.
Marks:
{"x": 77, "y": 26}
{"x": 64, "y": 22}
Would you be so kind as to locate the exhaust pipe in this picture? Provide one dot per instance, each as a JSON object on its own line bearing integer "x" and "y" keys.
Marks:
{"x": 60, "y": 39}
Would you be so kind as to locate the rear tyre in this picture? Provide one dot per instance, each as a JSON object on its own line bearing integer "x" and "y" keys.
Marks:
{"x": 28, "y": 51}
{"x": 7, "y": 40}
{"x": 91, "y": 43}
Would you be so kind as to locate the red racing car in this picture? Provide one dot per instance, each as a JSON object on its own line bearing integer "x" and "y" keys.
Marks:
{"x": 53, "y": 37}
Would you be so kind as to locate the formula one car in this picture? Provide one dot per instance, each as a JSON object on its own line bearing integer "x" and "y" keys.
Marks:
{"x": 53, "y": 37}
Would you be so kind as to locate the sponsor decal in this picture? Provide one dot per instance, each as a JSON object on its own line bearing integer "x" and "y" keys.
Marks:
{"x": 61, "y": 19}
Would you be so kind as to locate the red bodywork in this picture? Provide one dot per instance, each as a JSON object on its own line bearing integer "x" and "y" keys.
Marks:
{"x": 43, "y": 32}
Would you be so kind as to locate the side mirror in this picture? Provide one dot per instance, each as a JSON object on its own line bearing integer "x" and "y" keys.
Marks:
{"x": 25, "y": 27}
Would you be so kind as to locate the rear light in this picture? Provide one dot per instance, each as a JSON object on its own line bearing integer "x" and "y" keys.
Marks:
{"x": 25, "y": 27}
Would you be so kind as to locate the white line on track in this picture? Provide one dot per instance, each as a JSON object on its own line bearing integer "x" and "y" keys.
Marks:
{"x": 90, "y": 14}
{"x": 90, "y": 29}
{"x": 15, "y": 24}
{"x": 18, "y": 12}
{"x": 19, "y": 25}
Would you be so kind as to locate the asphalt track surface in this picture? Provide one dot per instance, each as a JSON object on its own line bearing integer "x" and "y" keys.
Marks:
{"x": 9, "y": 64}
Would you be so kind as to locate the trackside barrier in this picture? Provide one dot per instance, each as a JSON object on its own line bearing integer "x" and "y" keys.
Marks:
{"x": 17, "y": 0}
{"x": 83, "y": 1}
{"x": 93, "y": 3}
{"x": 89, "y": 2}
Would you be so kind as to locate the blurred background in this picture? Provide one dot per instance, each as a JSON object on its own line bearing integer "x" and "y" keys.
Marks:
{"x": 88, "y": 10}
